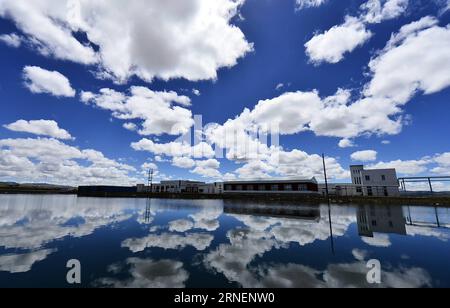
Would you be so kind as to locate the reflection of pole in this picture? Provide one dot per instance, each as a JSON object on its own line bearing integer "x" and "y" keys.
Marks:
{"x": 329, "y": 203}
{"x": 437, "y": 217}
{"x": 331, "y": 228}
{"x": 409, "y": 215}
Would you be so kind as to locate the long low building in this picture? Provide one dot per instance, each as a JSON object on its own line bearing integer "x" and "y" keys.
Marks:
{"x": 365, "y": 182}
{"x": 174, "y": 187}
{"x": 299, "y": 186}
{"x": 105, "y": 190}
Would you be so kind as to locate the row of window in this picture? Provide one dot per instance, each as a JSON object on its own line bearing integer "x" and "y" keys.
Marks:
{"x": 368, "y": 179}
{"x": 274, "y": 187}
{"x": 370, "y": 191}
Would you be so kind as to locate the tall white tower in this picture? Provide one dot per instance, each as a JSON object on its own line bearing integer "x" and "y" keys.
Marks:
{"x": 356, "y": 172}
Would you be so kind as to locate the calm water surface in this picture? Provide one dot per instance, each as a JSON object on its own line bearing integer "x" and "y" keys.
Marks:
{"x": 179, "y": 243}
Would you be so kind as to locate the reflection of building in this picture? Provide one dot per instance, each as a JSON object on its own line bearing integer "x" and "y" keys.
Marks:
{"x": 380, "y": 219}
{"x": 279, "y": 211}
{"x": 273, "y": 187}
{"x": 368, "y": 183}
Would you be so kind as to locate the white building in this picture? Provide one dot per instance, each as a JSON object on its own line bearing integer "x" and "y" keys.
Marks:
{"x": 180, "y": 187}
{"x": 342, "y": 189}
{"x": 175, "y": 187}
{"x": 375, "y": 182}
{"x": 368, "y": 183}
{"x": 211, "y": 189}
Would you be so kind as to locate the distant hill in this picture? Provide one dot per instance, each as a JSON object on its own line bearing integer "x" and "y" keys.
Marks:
{"x": 8, "y": 184}
{"x": 45, "y": 185}
{"x": 12, "y": 187}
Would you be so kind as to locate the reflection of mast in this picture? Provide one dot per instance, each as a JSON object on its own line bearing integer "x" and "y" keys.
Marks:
{"x": 148, "y": 207}
{"x": 329, "y": 203}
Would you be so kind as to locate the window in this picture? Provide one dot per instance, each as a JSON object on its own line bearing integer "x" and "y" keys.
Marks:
{"x": 302, "y": 187}
{"x": 261, "y": 187}
{"x": 359, "y": 190}
{"x": 288, "y": 187}
{"x": 274, "y": 188}
{"x": 383, "y": 178}
{"x": 250, "y": 188}
{"x": 239, "y": 187}
{"x": 374, "y": 223}
{"x": 367, "y": 178}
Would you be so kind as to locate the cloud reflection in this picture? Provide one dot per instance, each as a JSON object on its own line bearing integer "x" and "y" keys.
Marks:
{"x": 22, "y": 263}
{"x": 148, "y": 273}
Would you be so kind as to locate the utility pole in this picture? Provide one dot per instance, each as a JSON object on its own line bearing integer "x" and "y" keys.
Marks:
{"x": 326, "y": 179}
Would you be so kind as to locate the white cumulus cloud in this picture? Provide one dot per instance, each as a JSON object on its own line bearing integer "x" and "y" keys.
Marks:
{"x": 39, "y": 80}
{"x": 301, "y": 4}
{"x": 51, "y": 161}
{"x": 332, "y": 45}
{"x": 377, "y": 11}
{"x": 41, "y": 128}
{"x": 189, "y": 39}
{"x": 346, "y": 143}
{"x": 415, "y": 59}
{"x": 364, "y": 156}
{"x": 174, "y": 149}
{"x": 161, "y": 112}
{"x": 12, "y": 40}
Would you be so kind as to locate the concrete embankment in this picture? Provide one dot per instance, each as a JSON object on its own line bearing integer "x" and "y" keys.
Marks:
{"x": 291, "y": 198}
{"x": 294, "y": 198}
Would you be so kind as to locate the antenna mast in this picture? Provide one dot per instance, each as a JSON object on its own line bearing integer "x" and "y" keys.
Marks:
{"x": 150, "y": 179}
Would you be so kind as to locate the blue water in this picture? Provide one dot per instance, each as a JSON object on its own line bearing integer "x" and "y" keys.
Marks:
{"x": 215, "y": 243}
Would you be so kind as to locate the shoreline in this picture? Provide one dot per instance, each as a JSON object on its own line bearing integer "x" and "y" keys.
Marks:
{"x": 309, "y": 199}
{"x": 297, "y": 198}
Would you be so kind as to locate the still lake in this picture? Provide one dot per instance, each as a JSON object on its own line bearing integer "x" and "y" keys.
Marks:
{"x": 215, "y": 243}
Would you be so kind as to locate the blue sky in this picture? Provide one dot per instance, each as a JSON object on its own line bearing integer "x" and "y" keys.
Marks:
{"x": 361, "y": 83}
